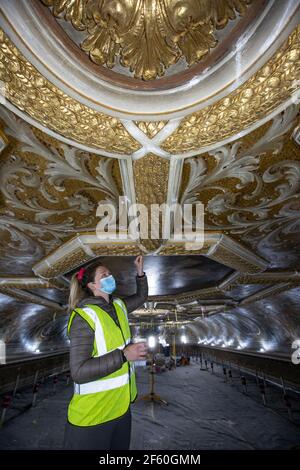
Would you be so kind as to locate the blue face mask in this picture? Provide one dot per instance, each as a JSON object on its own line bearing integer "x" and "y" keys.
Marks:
{"x": 107, "y": 284}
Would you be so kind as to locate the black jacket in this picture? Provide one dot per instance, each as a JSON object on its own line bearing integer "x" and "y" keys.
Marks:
{"x": 84, "y": 367}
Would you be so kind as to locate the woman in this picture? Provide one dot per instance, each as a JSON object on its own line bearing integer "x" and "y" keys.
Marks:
{"x": 102, "y": 359}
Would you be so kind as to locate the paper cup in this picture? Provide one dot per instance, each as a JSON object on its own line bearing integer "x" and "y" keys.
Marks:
{"x": 140, "y": 339}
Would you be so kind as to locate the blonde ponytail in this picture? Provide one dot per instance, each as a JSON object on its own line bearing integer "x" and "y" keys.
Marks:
{"x": 76, "y": 293}
{"x": 79, "y": 289}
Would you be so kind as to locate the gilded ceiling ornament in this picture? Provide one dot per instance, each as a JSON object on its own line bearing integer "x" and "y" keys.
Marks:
{"x": 150, "y": 128}
{"x": 147, "y": 36}
{"x": 52, "y": 184}
{"x": 29, "y": 91}
{"x": 151, "y": 175}
{"x": 267, "y": 89}
{"x": 251, "y": 191}
{"x": 87, "y": 246}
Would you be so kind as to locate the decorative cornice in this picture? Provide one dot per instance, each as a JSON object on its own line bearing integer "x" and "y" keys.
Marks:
{"x": 221, "y": 248}
{"x": 285, "y": 279}
{"x": 30, "y": 298}
{"x": 78, "y": 251}
{"x": 24, "y": 282}
{"x": 267, "y": 292}
{"x": 85, "y": 247}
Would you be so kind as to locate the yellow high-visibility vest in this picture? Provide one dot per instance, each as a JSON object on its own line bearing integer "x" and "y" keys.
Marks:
{"x": 109, "y": 397}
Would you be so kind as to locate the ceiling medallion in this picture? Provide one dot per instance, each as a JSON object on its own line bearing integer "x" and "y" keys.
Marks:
{"x": 147, "y": 36}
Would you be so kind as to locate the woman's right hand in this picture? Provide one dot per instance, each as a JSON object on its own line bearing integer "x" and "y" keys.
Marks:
{"x": 136, "y": 351}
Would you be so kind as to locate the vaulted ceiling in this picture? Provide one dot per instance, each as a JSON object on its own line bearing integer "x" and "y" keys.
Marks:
{"x": 155, "y": 102}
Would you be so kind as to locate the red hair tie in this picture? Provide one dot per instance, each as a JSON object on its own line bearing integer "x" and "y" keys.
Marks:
{"x": 80, "y": 274}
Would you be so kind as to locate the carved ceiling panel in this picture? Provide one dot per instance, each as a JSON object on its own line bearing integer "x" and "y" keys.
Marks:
{"x": 28, "y": 90}
{"x": 147, "y": 37}
{"x": 49, "y": 191}
{"x": 209, "y": 113}
{"x": 250, "y": 189}
{"x": 261, "y": 94}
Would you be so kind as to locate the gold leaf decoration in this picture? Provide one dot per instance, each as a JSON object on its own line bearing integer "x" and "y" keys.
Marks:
{"x": 148, "y": 35}
{"x": 151, "y": 175}
{"x": 49, "y": 190}
{"x": 27, "y": 89}
{"x": 150, "y": 128}
{"x": 250, "y": 188}
{"x": 267, "y": 89}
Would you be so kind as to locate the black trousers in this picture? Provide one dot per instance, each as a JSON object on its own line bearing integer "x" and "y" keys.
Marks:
{"x": 113, "y": 435}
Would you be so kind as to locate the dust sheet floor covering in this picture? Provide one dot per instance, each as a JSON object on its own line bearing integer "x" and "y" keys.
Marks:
{"x": 203, "y": 412}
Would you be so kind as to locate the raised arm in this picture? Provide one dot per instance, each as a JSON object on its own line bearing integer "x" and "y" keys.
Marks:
{"x": 84, "y": 367}
{"x": 136, "y": 300}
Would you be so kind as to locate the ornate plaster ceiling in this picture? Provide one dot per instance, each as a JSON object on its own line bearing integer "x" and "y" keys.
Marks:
{"x": 219, "y": 126}
{"x": 255, "y": 54}
{"x": 146, "y": 37}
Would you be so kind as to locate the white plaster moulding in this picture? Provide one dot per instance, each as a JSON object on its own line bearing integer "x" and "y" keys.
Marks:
{"x": 60, "y": 137}
{"x": 24, "y": 282}
{"x": 80, "y": 241}
{"x": 233, "y": 246}
{"x": 293, "y": 99}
